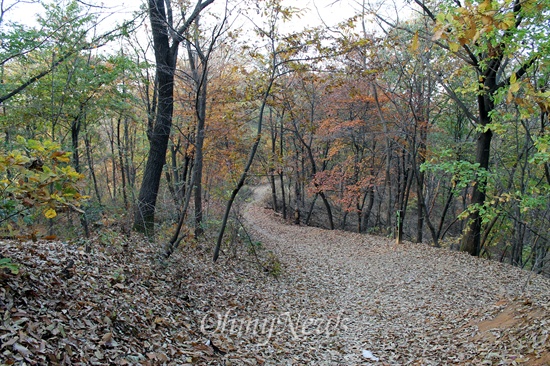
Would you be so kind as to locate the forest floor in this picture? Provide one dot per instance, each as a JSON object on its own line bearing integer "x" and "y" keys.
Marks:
{"x": 294, "y": 296}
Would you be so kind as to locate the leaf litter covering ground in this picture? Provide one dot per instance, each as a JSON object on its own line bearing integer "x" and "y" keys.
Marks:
{"x": 341, "y": 299}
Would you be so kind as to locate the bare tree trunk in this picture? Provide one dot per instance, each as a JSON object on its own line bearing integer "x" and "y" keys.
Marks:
{"x": 108, "y": 181}
{"x": 198, "y": 62}
{"x": 283, "y": 194}
{"x": 75, "y": 131}
{"x": 197, "y": 168}
{"x": 281, "y": 171}
{"x": 419, "y": 209}
{"x": 75, "y": 136}
{"x": 173, "y": 179}
{"x": 297, "y": 194}
{"x": 273, "y": 162}
{"x": 387, "y": 178}
{"x": 121, "y": 162}
{"x": 311, "y": 208}
{"x": 113, "y": 156}
{"x": 273, "y": 190}
{"x": 91, "y": 166}
{"x": 174, "y": 242}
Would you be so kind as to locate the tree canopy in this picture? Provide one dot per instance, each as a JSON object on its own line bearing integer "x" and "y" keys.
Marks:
{"x": 438, "y": 114}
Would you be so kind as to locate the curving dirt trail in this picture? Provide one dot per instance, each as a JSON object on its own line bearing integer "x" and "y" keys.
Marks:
{"x": 351, "y": 299}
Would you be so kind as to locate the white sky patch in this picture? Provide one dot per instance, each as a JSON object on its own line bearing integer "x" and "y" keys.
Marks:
{"x": 315, "y": 12}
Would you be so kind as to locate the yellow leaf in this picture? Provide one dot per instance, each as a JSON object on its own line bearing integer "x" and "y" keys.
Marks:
{"x": 509, "y": 96}
{"x": 486, "y": 20}
{"x": 514, "y": 87}
{"x": 470, "y": 31}
{"x": 438, "y": 33}
{"x": 414, "y": 45}
{"x": 485, "y": 6}
{"x": 50, "y": 213}
{"x": 61, "y": 156}
{"x": 454, "y": 46}
{"x": 476, "y": 36}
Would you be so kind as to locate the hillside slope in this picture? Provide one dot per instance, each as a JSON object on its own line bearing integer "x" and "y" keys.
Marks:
{"x": 339, "y": 299}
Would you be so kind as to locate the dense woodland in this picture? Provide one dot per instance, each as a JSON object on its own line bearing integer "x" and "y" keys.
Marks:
{"x": 156, "y": 122}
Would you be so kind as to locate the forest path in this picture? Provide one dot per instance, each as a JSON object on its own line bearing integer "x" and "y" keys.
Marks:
{"x": 356, "y": 299}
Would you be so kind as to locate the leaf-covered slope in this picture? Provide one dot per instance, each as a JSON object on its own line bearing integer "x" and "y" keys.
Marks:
{"x": 340, "y": 297}
{"x": 409, "y": 303}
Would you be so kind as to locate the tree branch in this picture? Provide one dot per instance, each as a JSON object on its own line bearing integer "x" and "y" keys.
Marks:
{"x": 457, "y": 100}
{"x": 426, "y": 10}
{"x": 519, "y": 74}
{"x": 87, "y": 46}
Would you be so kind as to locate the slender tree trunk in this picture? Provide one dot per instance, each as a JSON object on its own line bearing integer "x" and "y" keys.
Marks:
{"x": 311, "y": 208}
{"x": 281, "y": 169}
{"x": 185, "y": 175}
{"x": 121, "y": 162}
{"x": 91, "y": 166}
{"x": 543, "y": 120}
{"x": 173, "y": 180}
{"x": 198, "y": 62}
{"x": 176, "y": 238}
{"x": 297, "y": 194}
{"x": 426, "y": 216}
{"x": 370, "y": 192}
{"x": 147, "y": 199}
{"x": 273, "y": 162}
{"x": 419, "y": 208}
{"x": 444, "y": 214}
{"x": 387, "y": 178}
{"x": 113, "y": 155}
{"x": 283, "y": 194}
{"x": 75, "y": 131}
{"x": 129, "y": 154}
{"x": 107, "y": 180}
{"x": 359, "y": 207}
{"x": 368, "y": 211}
{"x": 419, "y": 160}
{"x": 199, "y": 143}
{"x": 75, "y": 136}
{"x": 273, "y": 190}
{"x": 158, "y": 144}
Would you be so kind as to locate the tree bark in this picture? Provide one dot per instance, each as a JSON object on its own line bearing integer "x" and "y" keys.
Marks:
{"x": 472, "y": 233}
{"x": 281, "y": 170}
{"x": 91, "y": 166}
{"x": 200, "y": 84}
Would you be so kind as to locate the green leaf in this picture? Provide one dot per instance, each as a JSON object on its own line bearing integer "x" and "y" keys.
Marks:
{"x": 454, "y": 47}
{"x": 8, "y": 264}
